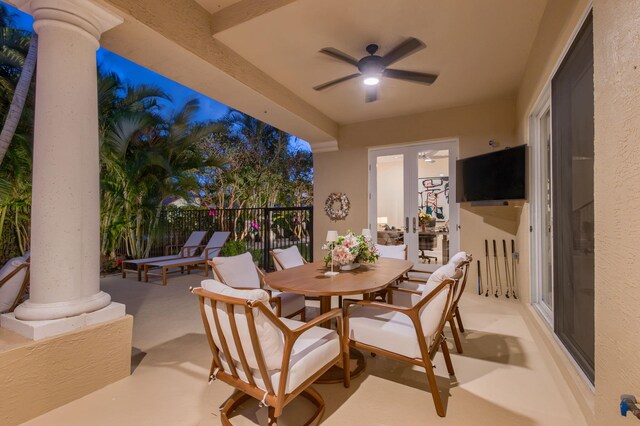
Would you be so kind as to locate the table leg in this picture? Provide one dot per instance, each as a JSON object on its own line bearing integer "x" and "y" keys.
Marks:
{"x": 357, "y": 362}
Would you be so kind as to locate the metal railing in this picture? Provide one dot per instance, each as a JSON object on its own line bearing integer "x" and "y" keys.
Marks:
{"x": 259, "y": 229}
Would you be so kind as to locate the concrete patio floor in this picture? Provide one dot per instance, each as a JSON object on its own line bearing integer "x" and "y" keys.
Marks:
{"x": 505, "y": 376}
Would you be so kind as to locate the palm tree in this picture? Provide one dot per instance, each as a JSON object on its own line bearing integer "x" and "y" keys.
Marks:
{"x": 28, "y": 65}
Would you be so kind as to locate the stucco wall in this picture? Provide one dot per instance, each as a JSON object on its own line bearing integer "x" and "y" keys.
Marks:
{"x": 36, "y": 377}
{"x": 617, "y": 204}
{"x": 347, "y": 169}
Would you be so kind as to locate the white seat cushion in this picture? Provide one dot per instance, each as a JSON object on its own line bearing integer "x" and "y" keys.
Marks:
{"x": 9, "y": 291}
{"x": 238, "y": 271}
{"x": 314, "y": 349}
{"x": 392, "y": 252}
{"x": 288, "y": 258}
{"x": 290, "y": 302}
{"x": 391, "y": 331}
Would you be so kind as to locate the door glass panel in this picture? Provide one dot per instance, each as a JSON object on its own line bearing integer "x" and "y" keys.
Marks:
{"x": 573, "y": 200}
{"x": 433, "y": 206}
{"x": 390, "y": 199}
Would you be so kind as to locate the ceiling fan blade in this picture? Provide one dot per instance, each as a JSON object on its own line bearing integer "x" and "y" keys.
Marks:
{"x": 404, "y": 49}
{"x": 416, "y": 77}
{"x": 336, "y": 81}
{"x": 371, "y": 94}
{"x": 335, "y": 53}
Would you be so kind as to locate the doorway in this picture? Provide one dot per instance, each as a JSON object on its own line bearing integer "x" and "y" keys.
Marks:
{"x": 412, "y": 199}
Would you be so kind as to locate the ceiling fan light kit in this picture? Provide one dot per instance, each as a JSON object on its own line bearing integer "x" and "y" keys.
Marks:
{"x": 374, "y": 67}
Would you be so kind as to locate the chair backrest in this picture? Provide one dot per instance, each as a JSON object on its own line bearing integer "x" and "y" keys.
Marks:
{"x": 246, "y": 341}
{"x": 14, "y": 277}
{"x": 287, "y": 258}
{"x": 236, "y": 271}
{"x": 461, "y": 260}
{"x": 431, "y": 313}
{"x": 215, "y": 244}
{"x": 195, "y": 239}
{"x": 392, "y": 252}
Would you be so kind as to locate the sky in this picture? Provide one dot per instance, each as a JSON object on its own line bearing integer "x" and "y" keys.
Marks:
{"x": 132, "y": 73}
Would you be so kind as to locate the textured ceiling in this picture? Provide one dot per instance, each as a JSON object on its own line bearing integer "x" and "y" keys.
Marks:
{"x": 479, "y": 48}
{"x": 215, "y": 5}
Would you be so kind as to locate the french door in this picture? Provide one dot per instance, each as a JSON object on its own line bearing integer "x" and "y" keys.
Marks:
{"x": 408, "y": 183}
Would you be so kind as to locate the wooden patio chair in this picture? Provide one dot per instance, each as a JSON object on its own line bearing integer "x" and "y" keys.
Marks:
{"x": 240, "y": 272}
{"x": 265, "y": 357}
{"x": 410, "y": 334}
{"x": 14, "y": 280}
{"x": 211, "y": 250}
{"x": 390, "y": 252}
{"x": 460, "y": 260}
{"x": 188, "y": 249}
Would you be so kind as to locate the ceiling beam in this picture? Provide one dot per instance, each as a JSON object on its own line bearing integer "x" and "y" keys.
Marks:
{"x": 243, "y": 11}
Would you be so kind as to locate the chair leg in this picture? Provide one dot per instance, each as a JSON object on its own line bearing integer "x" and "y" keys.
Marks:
{"x": 303, "y": 315}
{"x": 447, "y": 358}
{"x": 146, "y": 274}
{"x": 456, "y": 336}
{"x": 437, "y": 400}
{"x": 124, "y": 273}
{"x": 164, "y": 276}
{"x": 459, "y": 320}
{"x": 139, "y": 273}
{"x": 273, "y": 420}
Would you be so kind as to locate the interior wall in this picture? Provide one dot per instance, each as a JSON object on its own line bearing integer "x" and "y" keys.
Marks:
{"x": 617, "y": 200}
{"x": 390, "y": 192}
{"x": 346, "y": 170}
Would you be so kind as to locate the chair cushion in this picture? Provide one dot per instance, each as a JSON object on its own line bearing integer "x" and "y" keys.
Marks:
{"x": 270, "y": 337}
{"x": 458, "y": 258}
{"x": 391, "y": 331}
{"x": 10, "y": 289}
{"x": 393, "y": 252}
{"x": 288, "y": 258}
{"x": 314, "y": 349}
{"x": 290, "y": 302}
{"x": 238, "y": 271}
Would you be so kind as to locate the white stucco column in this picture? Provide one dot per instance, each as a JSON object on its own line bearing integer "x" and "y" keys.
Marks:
{"x": 65, "y": 240}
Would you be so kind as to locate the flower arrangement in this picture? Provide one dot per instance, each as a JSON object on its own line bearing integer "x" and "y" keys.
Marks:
{"x": 424, "y": 218}
{"x": 351, "y": 248}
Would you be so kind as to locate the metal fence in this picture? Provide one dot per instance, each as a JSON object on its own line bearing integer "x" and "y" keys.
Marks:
{"x": 260, "y": 230}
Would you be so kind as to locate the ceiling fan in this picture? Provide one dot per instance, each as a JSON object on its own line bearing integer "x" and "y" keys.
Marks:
{"x": 374, "y": 67}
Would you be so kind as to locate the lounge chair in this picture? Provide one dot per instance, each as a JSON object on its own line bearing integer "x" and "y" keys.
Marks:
{"x": 14, "y": 278}
{"x": 189, "y": 249}
{"x": 211, "y": 250}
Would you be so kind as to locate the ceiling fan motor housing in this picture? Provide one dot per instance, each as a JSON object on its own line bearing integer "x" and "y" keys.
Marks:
{"x": 371, "y": 65}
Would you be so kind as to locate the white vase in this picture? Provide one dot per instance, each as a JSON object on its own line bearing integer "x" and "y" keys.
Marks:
{"x": 349, "y": 267}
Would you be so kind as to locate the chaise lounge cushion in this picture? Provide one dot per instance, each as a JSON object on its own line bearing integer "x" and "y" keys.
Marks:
{"x": 270, "y": 337}
{"x": 10, "y": 289}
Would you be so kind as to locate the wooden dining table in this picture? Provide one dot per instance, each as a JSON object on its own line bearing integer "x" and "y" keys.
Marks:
{"x": 310, "y": 280}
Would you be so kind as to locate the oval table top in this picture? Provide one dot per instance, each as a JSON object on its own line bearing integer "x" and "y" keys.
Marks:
{"x": 309, "y": 279}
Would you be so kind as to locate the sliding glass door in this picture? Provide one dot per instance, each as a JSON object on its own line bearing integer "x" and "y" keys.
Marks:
{"x": 572, "y": 111}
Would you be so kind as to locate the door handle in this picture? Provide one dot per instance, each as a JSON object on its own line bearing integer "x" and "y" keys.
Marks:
{"x": 414, "y": 225}
{"x": 406, "y": 222}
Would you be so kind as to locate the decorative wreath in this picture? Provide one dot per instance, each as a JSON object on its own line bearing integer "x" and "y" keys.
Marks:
{"x": 340, "y": 213}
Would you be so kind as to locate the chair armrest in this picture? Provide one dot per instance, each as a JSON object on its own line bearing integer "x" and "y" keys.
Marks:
{"x": 334, "y": 313}
{"x": 405, "y": 290}
{"x": 188, "y": 247}
{"x": 348, "y": 303}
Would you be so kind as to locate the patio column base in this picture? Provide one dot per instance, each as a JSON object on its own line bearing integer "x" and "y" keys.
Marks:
{"x": 39, "y": 376}
{"x": 43, "y": 328}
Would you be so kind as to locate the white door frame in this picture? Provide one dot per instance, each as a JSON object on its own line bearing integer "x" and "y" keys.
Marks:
{"x": 537, "y": 203}
{"x": 410, "y": 157}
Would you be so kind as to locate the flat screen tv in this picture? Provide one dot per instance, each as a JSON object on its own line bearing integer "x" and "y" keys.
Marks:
{"x": 497, "y": 176}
